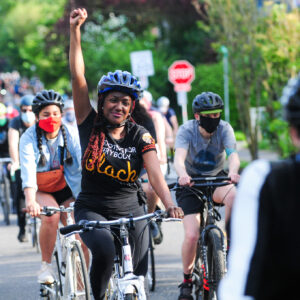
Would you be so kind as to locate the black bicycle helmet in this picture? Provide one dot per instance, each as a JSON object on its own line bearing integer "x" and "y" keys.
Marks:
{"x": 291, "y": 100}
{"x": 207, "y": 101}
{"x": 120, "y": 81}
{"x": 45, "y": 98}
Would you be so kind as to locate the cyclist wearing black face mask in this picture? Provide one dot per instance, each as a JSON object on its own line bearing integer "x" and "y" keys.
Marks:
{"x": 201, "y": 148}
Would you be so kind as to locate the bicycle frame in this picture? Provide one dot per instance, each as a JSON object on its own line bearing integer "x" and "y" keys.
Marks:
{"x": 123, "y": 281}
{"x": 126, "y": 282}
{"x": 208, "y": 218}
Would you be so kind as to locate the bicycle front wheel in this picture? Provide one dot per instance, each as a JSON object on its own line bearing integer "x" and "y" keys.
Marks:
{"x": 5, "y": 200}
{"x": 78, "y": 276}
{"x": 216, "y": 263}
{"x": 150, "y": 279}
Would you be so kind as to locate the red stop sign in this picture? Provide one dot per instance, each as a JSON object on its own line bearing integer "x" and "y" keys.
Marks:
{"x": 181, "y": 74}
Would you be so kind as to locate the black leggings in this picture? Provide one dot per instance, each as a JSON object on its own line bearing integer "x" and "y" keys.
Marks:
{"x": 103, "y": 247}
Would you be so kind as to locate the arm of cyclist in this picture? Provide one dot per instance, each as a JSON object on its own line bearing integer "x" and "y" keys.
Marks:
{"x": 13, "y": 147}
{"x": 233, "y": 167}
{"x": 159, "y": 184}
{"x": 179, "y": 158}
{"x": 32, "y": 207}
{"x": 81, "y": 99}
{"x": 28, "y": 172}
{"x": 160, "y": 136}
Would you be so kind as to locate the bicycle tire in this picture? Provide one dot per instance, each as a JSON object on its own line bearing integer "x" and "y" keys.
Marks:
{"x": 80, "y": 278}
{"x": 110, "y": 293}
{"x": 215, "y": 262}
{"x": 151, "y": 276}
{"x": 6, "y": 200}
{"x": 197, "y": 274}
{"x": 57, "y": 275}
{"x": 133, "y": 296}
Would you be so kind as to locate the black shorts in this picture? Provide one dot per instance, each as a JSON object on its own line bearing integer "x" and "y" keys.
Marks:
{"x": 188, "y": 200}
{"x": 62, "y": 195}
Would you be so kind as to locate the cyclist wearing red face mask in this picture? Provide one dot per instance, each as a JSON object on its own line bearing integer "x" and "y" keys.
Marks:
{"x": 50, "y": 169}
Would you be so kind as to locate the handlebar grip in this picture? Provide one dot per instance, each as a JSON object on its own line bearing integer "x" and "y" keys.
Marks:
{"x": 70, "y": 228}
{"x": 171, "y": 185}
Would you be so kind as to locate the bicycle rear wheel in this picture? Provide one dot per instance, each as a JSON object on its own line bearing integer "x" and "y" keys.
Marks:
{"x": 5, "y": 201}
{"x": 215, "y": 262}
{"x": 131, "y": 297}
{"x": 79, "y": 276}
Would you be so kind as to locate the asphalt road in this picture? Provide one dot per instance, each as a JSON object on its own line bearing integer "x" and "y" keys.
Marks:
{"x": 19, "y": 264}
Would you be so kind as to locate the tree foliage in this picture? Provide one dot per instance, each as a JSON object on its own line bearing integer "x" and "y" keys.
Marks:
{"x": 260, "y": 64}
{"x": 28, "y": 42}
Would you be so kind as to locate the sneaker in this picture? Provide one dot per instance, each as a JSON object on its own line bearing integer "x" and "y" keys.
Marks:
{"x": 22, "y": 237}
{"x": 156, "y": 232}
{"x": 45, "y": 274}
{"x": 186, "y": 290}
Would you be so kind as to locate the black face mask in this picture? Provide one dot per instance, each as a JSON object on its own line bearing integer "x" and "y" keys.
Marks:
{"x": 209, "y": 124}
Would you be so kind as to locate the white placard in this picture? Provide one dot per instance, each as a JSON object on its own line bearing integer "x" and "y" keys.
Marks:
{"x": 142, "y": 63}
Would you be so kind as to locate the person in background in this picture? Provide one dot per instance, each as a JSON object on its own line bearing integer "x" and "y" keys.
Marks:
{"x": 17, "y": 126}
{"x": 11, "y": 111}
{"x": 163, "y": 104}
{"x": 69, "y": 113}
{"x": 264, "y": 259}
{"x": 3, "y": 131}
{"x": 153, "y": 200}
{"x": 50, "y": 159}
{"x": 201, "y": 148}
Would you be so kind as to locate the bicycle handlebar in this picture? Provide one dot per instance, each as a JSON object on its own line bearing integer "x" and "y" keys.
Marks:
{"x": 5, "y": 160}
{"x": 85, "y": 225}
{"x": 51, "y": 210}
{"x": 206, "y": 182}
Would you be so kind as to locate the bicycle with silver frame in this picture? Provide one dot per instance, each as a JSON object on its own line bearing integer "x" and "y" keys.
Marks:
{"x": 71, "y": 277}
{"x": 123, "y": 284}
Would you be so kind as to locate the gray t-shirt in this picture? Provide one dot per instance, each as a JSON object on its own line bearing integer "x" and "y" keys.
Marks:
{"x": 54, "y": 155}
{"x": 205, "y": 156}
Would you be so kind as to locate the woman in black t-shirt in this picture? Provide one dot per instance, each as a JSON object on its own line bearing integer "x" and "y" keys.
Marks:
{"x": 114, "y": 151}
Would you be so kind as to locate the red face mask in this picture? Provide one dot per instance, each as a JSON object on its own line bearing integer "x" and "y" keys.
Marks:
{"x": 50, "y": 124}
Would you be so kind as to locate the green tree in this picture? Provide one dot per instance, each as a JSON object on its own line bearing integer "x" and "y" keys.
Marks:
{"x": 279, "y": 44}
{"x": 28, "y": 41}
{"x": 235, "y": 23}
